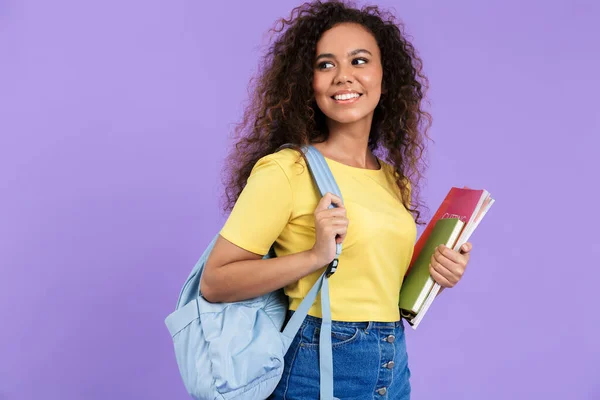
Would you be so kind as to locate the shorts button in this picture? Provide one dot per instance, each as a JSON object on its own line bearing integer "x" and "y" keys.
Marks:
{"x": 390, "y": 339}
{"x": 389, "y": 365}
{"x": 382, "y": 391}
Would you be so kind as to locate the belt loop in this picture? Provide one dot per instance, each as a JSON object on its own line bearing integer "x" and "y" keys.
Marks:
{"x": 368, "y": 327}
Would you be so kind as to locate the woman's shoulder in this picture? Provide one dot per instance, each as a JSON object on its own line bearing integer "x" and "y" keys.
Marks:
{"x": 286, "y": 156}
{"x": 290, "y": 161}
{"x": 392, "y": 177}
{"x": 388, "y": 169}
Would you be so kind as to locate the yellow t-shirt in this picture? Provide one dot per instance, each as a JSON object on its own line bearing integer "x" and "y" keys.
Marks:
{"x": 277, "y": 208}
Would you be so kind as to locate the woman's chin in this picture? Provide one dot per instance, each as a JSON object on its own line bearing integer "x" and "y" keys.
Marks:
{"x": 348, "y": 117}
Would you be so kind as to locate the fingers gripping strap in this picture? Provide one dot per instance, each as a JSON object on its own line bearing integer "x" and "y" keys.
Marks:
{"x": 323, "y": 178}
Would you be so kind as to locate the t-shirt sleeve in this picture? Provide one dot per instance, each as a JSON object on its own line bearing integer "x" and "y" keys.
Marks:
{"x": 262, "y": 210}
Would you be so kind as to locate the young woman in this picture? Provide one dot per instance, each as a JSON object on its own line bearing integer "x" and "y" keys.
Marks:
{"x": 348, "y": 82}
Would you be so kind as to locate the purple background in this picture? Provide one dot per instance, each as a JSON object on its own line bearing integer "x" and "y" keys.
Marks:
{"x": 114, "y": 119}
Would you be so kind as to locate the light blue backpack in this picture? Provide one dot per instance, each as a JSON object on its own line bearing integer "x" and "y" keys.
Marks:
{"x": 236, "y": 350}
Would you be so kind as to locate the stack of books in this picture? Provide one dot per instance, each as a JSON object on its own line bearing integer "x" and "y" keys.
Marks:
{"x": 452, "y": 225}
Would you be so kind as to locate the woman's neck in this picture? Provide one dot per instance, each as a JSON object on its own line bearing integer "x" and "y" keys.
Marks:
{"x": 349, "y": 144}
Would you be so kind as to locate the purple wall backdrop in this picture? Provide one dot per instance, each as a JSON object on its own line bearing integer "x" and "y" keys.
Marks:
{"x": 114, "y": 117}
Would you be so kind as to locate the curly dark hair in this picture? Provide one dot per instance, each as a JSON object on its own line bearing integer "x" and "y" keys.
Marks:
{"x": 283, "y": 110}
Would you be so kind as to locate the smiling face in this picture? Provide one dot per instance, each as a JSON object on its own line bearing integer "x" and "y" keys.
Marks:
{"x": 348, "y": 74}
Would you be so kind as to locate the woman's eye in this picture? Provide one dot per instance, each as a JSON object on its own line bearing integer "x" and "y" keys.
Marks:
{"x": 359, "y": 61}
{"x": 325, "y": 65}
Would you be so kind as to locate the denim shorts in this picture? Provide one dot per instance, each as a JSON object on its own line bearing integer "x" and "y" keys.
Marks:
{"x": 369, "y": 362}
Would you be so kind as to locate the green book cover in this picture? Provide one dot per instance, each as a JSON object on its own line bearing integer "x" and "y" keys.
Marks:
{"x": 418, "y": 283}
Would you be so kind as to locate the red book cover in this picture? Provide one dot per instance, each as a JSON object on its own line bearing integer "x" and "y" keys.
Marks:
{"x": 459, "y": 203}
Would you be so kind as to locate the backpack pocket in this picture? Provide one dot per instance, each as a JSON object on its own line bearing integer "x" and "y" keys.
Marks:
{"x": 191, "y": 351}
{"x": 245, "y": 347}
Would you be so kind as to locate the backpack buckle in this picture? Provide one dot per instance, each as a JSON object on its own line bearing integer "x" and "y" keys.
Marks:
{"x": 332, "y": 267}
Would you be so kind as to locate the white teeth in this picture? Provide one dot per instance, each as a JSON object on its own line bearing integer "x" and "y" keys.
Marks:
{"x": 346, "y": 96}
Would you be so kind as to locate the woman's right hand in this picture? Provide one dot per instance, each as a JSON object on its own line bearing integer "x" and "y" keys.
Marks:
{"x": 331, "y": 225}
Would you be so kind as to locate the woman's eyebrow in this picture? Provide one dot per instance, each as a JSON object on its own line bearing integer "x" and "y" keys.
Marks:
{"x": 352, "y": 53}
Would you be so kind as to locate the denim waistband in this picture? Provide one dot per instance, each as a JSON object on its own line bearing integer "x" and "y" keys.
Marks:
{"x": 360, "y": 325}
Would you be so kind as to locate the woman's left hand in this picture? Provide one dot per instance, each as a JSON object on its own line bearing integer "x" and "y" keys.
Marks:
{"x": 447, "y": 266}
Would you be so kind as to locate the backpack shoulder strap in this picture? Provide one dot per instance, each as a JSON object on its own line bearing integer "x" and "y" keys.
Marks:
{"x": 325, "y": 182}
